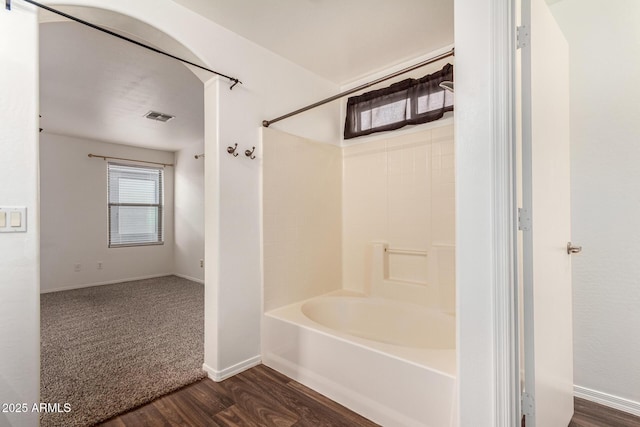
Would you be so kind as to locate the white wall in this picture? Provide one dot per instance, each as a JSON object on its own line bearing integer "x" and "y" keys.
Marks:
{"x": 302, "y": 218}
{"x": 189, "y": 212}
{"x": 74, "y": 216}
{"x": 19, "y": 253}
{"x": 605, "y": 88}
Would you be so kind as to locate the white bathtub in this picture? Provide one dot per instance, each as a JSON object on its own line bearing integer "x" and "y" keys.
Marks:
{"x": 390, "y": 361}
{"x": 384, "y": 321}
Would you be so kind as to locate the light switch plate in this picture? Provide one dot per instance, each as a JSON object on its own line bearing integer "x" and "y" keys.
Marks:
{"x": 15, "y": 219}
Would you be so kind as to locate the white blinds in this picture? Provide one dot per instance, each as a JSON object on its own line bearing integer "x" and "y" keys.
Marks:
{"x": 135, "y": 205}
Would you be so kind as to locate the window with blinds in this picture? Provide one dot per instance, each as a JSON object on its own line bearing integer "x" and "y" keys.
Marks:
{"x": 408, "y": 102}
{"x": 135, "y": 205}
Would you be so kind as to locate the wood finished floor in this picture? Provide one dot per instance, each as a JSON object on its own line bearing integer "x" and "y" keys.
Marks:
{"x": 261, "y": 396}
{"x": 589, "y": 414}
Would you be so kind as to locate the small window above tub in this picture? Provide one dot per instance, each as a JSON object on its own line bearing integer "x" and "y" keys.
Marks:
{"x": 408, "y": 102}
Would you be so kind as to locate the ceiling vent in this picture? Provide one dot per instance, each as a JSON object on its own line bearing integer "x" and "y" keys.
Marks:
{"x": 160, "y": 117}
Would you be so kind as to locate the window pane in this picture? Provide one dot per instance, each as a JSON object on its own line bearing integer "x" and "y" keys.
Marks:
{"x": 137, "y": 191}
{"x": 389, "y": 113}
{"x": 135, "y": 225}
{"x": 129, "y": 184}
{"x": 128, "y": 187}
{"x": 431, "y": 102}
{"x": 137, "y": 220}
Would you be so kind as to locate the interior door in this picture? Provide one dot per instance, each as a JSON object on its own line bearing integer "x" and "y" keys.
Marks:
{"x": 548, "y": 340}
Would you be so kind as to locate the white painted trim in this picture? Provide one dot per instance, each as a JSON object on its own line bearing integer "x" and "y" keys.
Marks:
{"x": 484, "y": 248}
{"x": 193, "y": 279}
{"x": 615, "y": 402}
{"x": 109, "y": 282}
{"x": 218, "y": 376}
{"x": 505, "y": 287}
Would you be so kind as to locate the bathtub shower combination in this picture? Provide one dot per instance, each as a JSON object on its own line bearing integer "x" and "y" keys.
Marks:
{"x": 388, "y": 354}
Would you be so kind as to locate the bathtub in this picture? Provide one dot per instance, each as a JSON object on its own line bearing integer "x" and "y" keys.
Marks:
{"x": 393, "y": 362}
{"x": 383, "y": 321}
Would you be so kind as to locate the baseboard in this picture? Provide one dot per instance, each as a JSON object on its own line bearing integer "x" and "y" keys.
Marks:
{"x": 109, "y": 282}
{"x": 606, "y": 399}
{"x": 218, "y": 376}
{"x": 193, "y": 279}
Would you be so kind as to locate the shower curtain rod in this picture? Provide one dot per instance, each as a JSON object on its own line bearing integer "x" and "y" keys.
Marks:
{"x": 129, "y": 160}
{"x": 111, "y": 33}
{"x": 266, "y": 123}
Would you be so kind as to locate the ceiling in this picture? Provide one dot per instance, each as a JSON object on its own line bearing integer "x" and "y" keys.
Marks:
{"x": 340, "y": 40}
{"x": 96, "y": 86}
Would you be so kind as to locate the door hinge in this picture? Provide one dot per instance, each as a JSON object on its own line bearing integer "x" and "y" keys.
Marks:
{"x": 523, "y": 37}
{"x": 524, "y": 219}
{"x": 528, "y": 405}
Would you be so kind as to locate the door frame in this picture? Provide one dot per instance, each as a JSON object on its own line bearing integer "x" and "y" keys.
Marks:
{"x": 486, "y": 214}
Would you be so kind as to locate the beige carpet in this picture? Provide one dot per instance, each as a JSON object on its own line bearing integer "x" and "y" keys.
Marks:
{"x": 107, "y": 349}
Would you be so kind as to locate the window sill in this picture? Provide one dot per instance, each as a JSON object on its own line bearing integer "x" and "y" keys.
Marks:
{"x": 131, "y": 245}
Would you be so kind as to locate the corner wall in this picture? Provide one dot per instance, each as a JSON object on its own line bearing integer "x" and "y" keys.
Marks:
{"x": 74, "y": 217}
{"x": 189, "y": 213}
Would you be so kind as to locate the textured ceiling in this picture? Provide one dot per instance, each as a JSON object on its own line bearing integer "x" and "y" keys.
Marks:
{"x": 96, "y": 86}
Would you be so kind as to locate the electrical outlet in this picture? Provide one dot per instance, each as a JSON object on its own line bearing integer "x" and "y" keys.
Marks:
{"x": 77, "y": 267}
{"x": 99, "y": 265}
{"x": 201, "y": 263}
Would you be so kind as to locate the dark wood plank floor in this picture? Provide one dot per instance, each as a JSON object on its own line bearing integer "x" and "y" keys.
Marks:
{"x": 589, "y": 414}
{"x": 261, "y": 396}
{"x": 257, "y": 397}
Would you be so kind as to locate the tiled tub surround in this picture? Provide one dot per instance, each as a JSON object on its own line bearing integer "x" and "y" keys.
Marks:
{"x": 401, "y": 191}
{"x": 301, "y": 193}
{"x": 381, "y": 340}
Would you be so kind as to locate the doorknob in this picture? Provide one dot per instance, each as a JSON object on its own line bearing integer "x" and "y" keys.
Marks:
{"x": 573, "y": 249}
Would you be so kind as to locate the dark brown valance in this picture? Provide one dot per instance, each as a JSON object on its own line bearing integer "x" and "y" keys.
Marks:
{"x": 408, "y": 102}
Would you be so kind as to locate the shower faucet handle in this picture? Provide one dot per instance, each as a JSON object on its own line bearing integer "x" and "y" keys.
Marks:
{"x": 571, "y": 249}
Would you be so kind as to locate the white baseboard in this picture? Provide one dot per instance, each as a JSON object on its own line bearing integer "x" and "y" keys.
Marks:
{"x": 218, "y": 376}
{"x": 109, "y": 282}
{"x": 606, "y": 399}
{"x": 193, "y": 279}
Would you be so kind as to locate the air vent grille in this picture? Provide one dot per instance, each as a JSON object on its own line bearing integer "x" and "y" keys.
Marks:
{"x": 160, "y": 117}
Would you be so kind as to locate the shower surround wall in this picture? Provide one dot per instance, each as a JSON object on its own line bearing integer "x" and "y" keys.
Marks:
{"x": 301, "y": 218}
{"x": 400, "y": 190}
{"x": 323, "y": 206}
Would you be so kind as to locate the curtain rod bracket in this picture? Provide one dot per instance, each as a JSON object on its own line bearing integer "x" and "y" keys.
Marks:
{"x": 265, "y": 123}
{"x": 235, "y": 82}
